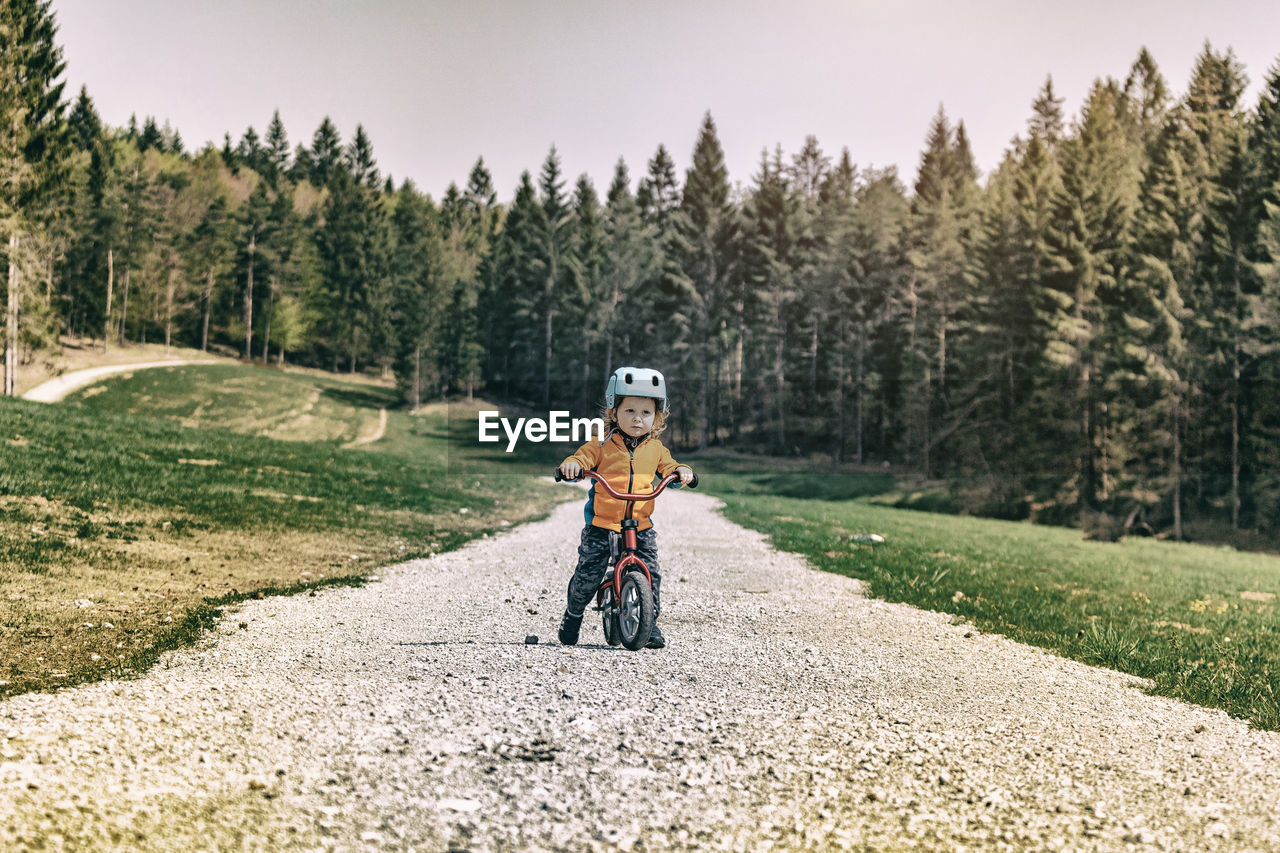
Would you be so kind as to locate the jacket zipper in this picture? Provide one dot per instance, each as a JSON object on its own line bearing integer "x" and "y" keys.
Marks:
{"x": 631, "y": 470}
{"x": 631, "y": 476}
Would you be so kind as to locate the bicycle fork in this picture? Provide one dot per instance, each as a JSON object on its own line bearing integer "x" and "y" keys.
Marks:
{"x": 622, "y": 559}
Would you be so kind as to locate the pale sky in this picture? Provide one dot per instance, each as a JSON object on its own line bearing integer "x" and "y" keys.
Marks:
{"x": 437, "y": 84}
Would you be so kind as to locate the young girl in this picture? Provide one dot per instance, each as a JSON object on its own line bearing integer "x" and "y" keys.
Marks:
{"x": 629, "y": 457}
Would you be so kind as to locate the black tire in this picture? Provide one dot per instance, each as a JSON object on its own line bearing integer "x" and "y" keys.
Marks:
{"x": 610, "y": 618}
{"x": 635, "y": 611}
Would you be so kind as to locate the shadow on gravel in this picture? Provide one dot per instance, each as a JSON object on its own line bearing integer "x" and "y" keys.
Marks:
{"x": 595, "y": 646}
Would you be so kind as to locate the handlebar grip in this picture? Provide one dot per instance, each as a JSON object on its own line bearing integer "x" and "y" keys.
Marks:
{"x": 693, "y": 484}
{"x": 561, "y": 478}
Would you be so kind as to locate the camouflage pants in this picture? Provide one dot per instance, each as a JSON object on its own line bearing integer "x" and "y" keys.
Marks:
{"x": 593, "y": 558}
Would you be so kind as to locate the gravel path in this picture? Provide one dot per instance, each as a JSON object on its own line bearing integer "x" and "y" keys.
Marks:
{"x": 788, "y": 712}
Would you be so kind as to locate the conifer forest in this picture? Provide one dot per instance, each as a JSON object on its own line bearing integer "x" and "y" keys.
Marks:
{"x": 1092, "y": 328}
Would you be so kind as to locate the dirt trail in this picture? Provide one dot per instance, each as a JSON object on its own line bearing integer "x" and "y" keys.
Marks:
{"x": 789, "y": 712}
{"x": 56, "y": 389}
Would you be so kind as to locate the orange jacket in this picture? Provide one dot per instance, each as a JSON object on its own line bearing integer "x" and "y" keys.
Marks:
{"x": 627, "y": 471}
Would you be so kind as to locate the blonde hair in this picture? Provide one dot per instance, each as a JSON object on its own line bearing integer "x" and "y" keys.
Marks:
{"x": 659, "y": 419}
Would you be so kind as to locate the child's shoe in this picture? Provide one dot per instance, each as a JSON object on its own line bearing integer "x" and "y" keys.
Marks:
{"x": 656, "y": 640}
{"x": 569, "y": 627}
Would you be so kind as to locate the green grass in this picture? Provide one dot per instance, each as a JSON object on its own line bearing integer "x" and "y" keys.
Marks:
{"x": 1199, "y": 622}
{"x": 165, "y": 495}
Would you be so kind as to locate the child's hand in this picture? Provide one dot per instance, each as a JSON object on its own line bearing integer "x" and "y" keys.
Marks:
{"x": 686, "y": 474}
{"x": 571, "y": 470}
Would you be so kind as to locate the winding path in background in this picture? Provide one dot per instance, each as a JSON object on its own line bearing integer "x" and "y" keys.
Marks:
{"x": 56, "y": 389}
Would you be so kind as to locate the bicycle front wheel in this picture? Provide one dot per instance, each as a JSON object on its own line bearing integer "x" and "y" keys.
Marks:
{"x": 635, "y": 611}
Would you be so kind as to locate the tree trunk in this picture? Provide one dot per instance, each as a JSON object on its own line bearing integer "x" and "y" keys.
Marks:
{"x": 111, "y": 276}
{"x": 584, "y": 397}
{"x": 1176, "y": 473}
{"x": 124, "y": 301}
{"x": 1235, "y": 439}
{"x": 168, "y": 308}
{"x": 735, "y": 398}
{"x": 842, "y": 346}
{"x": 11, "y": 323}
{"x": 813, "y": 357}
{"x": 780, "y": 385}
{"x": 553, "y": 272}
{"x": 858, "y": 390}
{"x": 546, "y": 354}
{"x": 248, "y": 300}
{"x": 417, "y": 377}
{"x": 704, "y": 396}
{"x": 266, "y": 332}
{"x": 208, "y": 304}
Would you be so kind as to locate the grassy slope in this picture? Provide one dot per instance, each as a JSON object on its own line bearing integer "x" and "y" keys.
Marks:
{"x": 162, "y": 495}
{"x": 1200, "y": 622}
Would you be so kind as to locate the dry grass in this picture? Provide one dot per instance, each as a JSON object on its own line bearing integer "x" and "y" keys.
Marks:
{"x": 109, "y": 606}
{"x": 123, "y": 530}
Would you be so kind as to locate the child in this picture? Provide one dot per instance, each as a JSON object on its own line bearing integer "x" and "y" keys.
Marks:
{"x": 630, "y": 455}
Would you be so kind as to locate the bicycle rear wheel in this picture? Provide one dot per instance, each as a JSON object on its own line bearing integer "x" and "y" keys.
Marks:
{"x": 609, "y": 613}
{"x": 635, "y": 611}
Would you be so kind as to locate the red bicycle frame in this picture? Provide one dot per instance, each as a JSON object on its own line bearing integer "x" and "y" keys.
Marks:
{"x": 629, "y": 560}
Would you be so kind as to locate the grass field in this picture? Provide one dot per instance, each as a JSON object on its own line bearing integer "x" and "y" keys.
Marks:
{"x": 132, "y": 512}
{"x": 1199, "y": 622}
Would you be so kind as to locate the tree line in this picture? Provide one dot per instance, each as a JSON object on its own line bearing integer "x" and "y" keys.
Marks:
{"x": 1091, "y": 332}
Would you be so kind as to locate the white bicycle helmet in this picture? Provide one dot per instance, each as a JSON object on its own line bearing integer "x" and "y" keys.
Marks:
{"x": 636, "y": 382}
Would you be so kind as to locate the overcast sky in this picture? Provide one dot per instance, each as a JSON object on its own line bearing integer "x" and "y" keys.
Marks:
{"x": 437, "y": 84}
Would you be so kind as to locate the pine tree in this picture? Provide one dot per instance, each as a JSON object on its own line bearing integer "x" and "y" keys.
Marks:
{"x": 211, "y": 252}
{"x": 809, "y": 171}
{"x": 1217, "y": 160}
{"x": 84, "y": 258}
{"x": 1263, "y": 302}
{"x": 586, "y": 284}
{"x": 254, "y": 258}
{"x": 326, "y": 153}
{"x": 877, "y": 273}
{"x": 468, "y": 221}
{"x": 1167, "y": 240}
{"x": 228, "y": 153}
{"x": 709, "y": 227}
{"x": 517, "y": 328}
{"x": 276, "y": 161}
{"x": 84, "y": 124}
{"x": 360, "y": 160}
{"x": 944, "y": 220}
{"x": 659, "y": 192}
{"x": 555, "y": 239}
{"x": 631, "y": 260}
{"x": 1019, "y": 258}
{"x": 33, "y": 147}
{"x": 1046, "y": 121}
{"x": 1084, "y": 294}
{"x": 1264, "y": 148}
{"x": 416, "y": 271}
{"x": 151, "y": 137}
{"x": 658, "y": 298}
{"x": 1146, "y": 96}
{"x": 302, "y": 167}
{"x": 769, "y": 281}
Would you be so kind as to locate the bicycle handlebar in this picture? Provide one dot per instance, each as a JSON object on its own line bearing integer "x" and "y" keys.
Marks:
{"x": 621, "y": 496}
